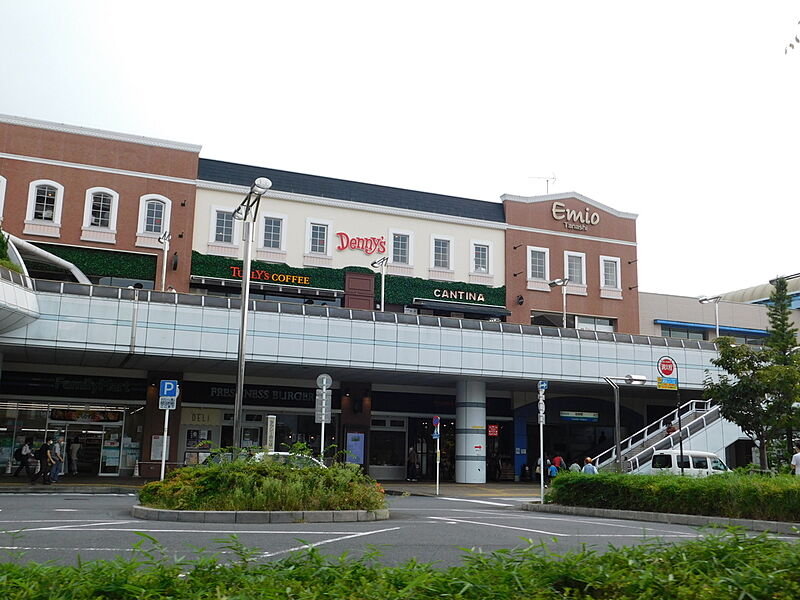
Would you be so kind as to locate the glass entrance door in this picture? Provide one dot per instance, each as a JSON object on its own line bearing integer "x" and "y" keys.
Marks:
{"x": 111, "y": 450}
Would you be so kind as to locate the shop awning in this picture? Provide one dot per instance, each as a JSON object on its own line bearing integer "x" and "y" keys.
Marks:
{"x": 462, "y": 307}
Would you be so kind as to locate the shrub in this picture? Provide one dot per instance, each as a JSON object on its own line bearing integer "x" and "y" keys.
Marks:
{"x": 264, "y": 485}
{"x": 732, "y": 495}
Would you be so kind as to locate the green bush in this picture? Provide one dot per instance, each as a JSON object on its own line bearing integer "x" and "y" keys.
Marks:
{"x": 731, "y": 565}
{"x": 733, "y": 495}
{"x": 264, "y": 485}
{"x": 5, "y": 262}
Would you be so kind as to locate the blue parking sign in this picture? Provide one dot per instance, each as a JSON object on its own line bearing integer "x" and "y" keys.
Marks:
{"x": 168, "y": 388}
{"x": 542, "y": 386}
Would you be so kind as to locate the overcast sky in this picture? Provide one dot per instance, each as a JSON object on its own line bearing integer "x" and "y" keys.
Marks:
{"x": 685, "y": 113}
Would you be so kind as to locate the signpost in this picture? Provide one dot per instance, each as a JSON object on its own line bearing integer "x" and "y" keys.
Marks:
{"x": 322, "y": 409}
{"x": 168, "y": 392}
{"x": 271, "y": 424}
{"x": 668, "y": 380}
{"x": 436, "y": 422}
{"x": 542, "y": 387}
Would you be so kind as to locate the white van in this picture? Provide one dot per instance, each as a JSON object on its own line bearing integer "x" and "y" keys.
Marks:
{"x": 694, "y": 462}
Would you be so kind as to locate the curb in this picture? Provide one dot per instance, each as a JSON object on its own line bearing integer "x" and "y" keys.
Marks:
{"x": 68, "y": 489}
{"x": 667, "y": 518}
{"x": 259, "y": 516}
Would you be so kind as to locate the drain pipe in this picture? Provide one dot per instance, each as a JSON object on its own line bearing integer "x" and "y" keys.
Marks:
{"x": 29, "y": 248}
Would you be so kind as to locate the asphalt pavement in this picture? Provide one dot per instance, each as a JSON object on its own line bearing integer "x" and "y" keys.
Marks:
{"x": 66, "y": 527}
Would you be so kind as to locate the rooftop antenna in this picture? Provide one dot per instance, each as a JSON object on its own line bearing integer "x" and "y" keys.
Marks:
{"x": 547, "y": 180}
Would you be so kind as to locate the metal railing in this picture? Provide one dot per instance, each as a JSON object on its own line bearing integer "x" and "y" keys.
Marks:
{"x": 652, "y": 433}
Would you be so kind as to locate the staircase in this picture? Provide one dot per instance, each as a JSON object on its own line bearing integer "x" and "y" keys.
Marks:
{"x": 702, "y": 428}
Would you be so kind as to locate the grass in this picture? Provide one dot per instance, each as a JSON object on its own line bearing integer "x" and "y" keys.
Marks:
{"x": 265, "y": 485}
{"x": 732, "y": 495}
{"x": 721, "y": 566}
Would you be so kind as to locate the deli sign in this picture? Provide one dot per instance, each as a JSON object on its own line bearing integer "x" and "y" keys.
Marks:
{"x": 368, "y": 245}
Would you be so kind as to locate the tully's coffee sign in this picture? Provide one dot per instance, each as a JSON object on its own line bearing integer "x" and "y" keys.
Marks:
{"x": 576, "y": 220}
{"x": 271, "y": 276}
{"x": 368, "y": 245}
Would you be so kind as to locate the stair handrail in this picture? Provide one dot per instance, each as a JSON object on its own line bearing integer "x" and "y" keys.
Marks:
{"x": 673, "y": 440}
{"x": 651, "y": 430}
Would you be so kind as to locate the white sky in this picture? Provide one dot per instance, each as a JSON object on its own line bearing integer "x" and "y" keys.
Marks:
{"x": 686, "y": 113}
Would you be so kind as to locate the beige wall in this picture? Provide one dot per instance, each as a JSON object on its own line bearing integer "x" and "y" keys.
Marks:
{"x": 688, "y": 309}
{"x": 356, "y": 220}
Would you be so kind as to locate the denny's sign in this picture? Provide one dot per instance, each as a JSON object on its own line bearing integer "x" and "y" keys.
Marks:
{"x": 271, "y": 276}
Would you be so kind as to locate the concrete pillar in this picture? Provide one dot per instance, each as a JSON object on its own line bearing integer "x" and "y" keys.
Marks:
{"x": 470, "y": 432}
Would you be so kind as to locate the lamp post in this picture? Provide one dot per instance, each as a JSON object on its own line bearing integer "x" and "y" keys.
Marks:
{"x": 381, "y": 263}
{"x": 562, "y": 283}
{"x": 164, "y": 239}
{"x": 247, "y": 213}
{"x": 628, "y": 380}
{"x": 715, "y": 300}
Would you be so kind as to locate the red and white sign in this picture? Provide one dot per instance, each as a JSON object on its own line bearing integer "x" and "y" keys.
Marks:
{"x": 667, "y": 367}
{"x": 368, "y": 245}
{"x": 494, "y": 430}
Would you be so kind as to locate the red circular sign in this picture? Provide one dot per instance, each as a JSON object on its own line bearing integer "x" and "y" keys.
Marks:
{"x": 666, "y": 366}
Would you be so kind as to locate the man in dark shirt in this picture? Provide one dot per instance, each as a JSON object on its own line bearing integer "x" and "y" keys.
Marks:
{"x": 45, "y": 462}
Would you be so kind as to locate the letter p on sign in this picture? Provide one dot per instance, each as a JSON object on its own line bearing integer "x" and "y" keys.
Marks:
{"x": 168, "y": 388}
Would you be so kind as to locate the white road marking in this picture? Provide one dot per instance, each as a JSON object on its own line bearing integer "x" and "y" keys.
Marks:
{"x": 65, "y": 510}
{"x": 470, "y": 500}
{"x": 323, "y": 542}
{"x": 606, "y": 524}
{"x": 72, "y": 527}
{"x": 514, "y": 499}
{"x": 193, "y": 531}
{"x": 504, "y": 527}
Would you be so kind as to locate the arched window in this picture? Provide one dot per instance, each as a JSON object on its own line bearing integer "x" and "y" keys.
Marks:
{"x": 100, "y": 215}
{"x": 43, "y": 215}
{"x": 154, "y": 218}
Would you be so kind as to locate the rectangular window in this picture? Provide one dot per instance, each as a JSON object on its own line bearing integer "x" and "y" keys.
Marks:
{"x": 101, "y": 209}
{"x": 595, "y": 324}
{"x": 224, "y": 228}
{"x": 538, "y": 264}
{"x": 441, "y": 254}
{"x": 575, "y": 269}
{"x": 44, "y": 209}
{"x": 609, "y": 272}
{"x": 400, "y": 245}
{"x": 481, "y": 258}
{"x": 272, "y": 232}
{"x": 154, "y": 217}
{"x": 319, "y": 238}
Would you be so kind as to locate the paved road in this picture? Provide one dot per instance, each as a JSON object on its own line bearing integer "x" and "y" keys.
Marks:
{"x": 62, "y": 527}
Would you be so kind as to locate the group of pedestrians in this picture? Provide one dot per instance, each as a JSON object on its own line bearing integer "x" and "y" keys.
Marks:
{"x": 558, "y": 464}
{"x": 50, "y": 456}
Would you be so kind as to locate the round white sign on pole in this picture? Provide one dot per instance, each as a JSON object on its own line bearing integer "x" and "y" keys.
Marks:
{"x": 666, "y": 367}
{"x": 324, "y": 380}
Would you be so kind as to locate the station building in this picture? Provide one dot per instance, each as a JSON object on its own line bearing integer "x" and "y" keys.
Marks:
{"x": 475, "y": 295}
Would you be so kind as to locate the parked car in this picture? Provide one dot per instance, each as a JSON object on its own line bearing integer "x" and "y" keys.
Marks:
{"x": 299, "y": 461}
{"x": 694, "y": 462}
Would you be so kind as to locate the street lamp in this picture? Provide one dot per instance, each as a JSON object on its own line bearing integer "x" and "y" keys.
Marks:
{"x": 247, "y": 213}
{"x": 381, "y": 263}
{"x": 164, "y": 239}
{"x": 627, "y": 380}
{"x": 562, "y": 283}
{"x": 715, "y": 300}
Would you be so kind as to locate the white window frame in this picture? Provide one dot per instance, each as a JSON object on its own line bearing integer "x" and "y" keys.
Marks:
{"x": 284, "y": 219}
{"x": 328, "y": 245}
{"x": 143, "y": 215}
{"x": 451, "y": 258}
{"x": 112, "y": 216}
{"x": 582, "y": 256}
{"x": 56, "y": 222}
{"x": 3, "y": 183}
{"x": 390, "y": 249}
{"x": 212, "y": 227}
{"x": 546, "y": 263}
{"x": 616, "y": 260}
{"x": 490, "y": 255}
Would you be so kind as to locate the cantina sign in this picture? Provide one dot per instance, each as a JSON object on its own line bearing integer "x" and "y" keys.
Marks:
{"x": 368, "y": 245}
{"x": 577, "y": 220}
{"x": 273, "y": 277}
{"x": 459, "y": 295}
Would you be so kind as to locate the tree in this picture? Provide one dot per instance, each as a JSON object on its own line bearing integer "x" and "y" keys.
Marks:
{"x": 759, "y": 386}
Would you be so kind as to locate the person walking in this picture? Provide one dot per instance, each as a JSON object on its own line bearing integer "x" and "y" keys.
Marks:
{"x": 23, "y": 454}
{"x": 45, "y": 462}
{"x": 411, "y": 467}
{"x": 558, "y": 461}
{"x": 74, "y": 446}
{"x": 575, "y": 467}
{"x": 796, "y": 459}
{"x": 57, "y": 458}
{"x": 588, "y": 467}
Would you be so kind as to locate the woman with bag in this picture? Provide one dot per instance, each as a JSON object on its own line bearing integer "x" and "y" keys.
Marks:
{"x": 23, "y": 455}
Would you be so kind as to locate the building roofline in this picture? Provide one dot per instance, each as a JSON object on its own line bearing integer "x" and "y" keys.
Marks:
{"x": 566, "y": 196}
{"x": 99, "y": 133}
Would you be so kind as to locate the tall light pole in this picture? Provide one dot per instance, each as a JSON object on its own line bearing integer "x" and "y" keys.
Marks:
{"x": 164, "y": 239}
{"x": 562, "y": 283}
{"x": 381, "y": 262}
{"x": 715, "y": 300}
{"x": 247, "y": 213}
{"x": 628, "y": 380}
